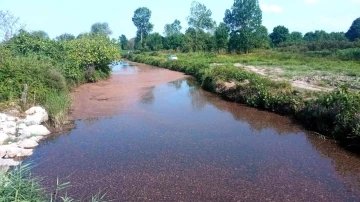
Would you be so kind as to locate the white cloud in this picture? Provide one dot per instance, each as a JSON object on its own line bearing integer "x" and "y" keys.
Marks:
{"x": 271, "y": 8}
{"x": 356, "y": 1}
{"x": 314, "y": 1}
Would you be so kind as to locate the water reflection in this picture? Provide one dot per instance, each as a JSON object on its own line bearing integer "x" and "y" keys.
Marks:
{"x": 258, "y": 120}
{"x": 147, "y": 95}
{"x": 124, "y": 69}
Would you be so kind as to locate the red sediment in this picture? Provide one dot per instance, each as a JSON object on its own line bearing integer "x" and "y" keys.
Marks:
{"x": 109, "y": 97}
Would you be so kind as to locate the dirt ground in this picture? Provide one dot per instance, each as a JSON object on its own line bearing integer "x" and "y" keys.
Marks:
{"x": 275, "y": 75}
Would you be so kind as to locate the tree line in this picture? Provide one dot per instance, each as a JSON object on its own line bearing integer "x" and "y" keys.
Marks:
{"x": 241, "y": 31}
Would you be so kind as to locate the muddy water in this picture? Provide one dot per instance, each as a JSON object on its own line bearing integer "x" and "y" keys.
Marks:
{"x": 171, "y": 141}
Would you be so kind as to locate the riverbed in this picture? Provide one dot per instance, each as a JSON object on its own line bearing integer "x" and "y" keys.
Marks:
{"x": 151, "y": 134}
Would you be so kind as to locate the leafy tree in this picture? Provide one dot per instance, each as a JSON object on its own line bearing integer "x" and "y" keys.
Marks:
{"x": 172, "y": 29}
{"x": 154, "y": 42}
{"x": 40, "y": 34}
{"x": 318, "y": 35}
{"x": 279, "y": 35}
{"x": 193, "y": 41}
{"x": 210, "y": 42}
{"x": 337, "y": 36}
{"x": 9, "y": 25}
{"x": 124, "y": 42}
{"x": 262, "y": 39}
{"x": 243, "y": 19}
{"x": 174, "y": 42}
{"x": 25, "y": 43}
{"x": 131, "y": 43}
{"x": 65, "y": 37}
{"x": 354, "y": 32}
{"x": 221, "y": 36}
{"x": 141, "y": 20}
{"x": 200, "y": 17}
{"x": 200, "y": 22}
{"x": 296, "y": 37}
{"x": 101, "y": 28}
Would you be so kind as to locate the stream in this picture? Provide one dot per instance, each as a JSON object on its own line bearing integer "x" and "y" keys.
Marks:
{"x": 149, "y": 134}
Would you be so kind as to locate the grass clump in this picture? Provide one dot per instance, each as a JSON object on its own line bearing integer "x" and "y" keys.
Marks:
{"x": 18, "y": 185}
{"x": 57, "y": 105}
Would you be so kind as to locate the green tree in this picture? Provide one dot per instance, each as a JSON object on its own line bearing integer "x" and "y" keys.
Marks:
{"x": 200, "y": 22}
{"x": 318, "y": 35}
{"x": 243, "y": 19}
{"x": 337, "y": 36}
{"x": 354, "y": 31}
{"x": 141, "y": 20}
{"x": 279, "y": 35}
{"x": 193, "y": 40}
{"x": 124, "y": 42}
{"x": 101, "y": 28}
{"x": 131, "y": 43}
{"x": 154, "y": 42}
{"x": 174, "y": 42}
{"x": 262, "y": 39}
{"x": 40, "y": 34}
{"x": 221, "y": 37}
{"x": 65, "y": 36}
{"x": 200, "y": 17}
{"x": 173, "y": 28}
{"x": 296, "y": 37}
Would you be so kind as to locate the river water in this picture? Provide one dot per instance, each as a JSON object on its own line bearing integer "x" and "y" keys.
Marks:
{"x": 173, "y": 141}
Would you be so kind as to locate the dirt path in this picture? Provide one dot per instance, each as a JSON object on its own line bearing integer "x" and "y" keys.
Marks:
{"x": 276, "y": 72}
{"x": 106, "y": 98}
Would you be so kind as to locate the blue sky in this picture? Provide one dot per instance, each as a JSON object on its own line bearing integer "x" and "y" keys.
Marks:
{"x": 76, "y": 16}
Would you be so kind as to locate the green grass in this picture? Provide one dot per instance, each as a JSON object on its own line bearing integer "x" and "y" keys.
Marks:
{"x": 18, "y": 185}
{"x": 293, "y": 65}
{"x": 57, "y": 105}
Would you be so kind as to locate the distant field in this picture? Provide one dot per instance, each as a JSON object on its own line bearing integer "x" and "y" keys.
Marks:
{"x": 318, "y": 73}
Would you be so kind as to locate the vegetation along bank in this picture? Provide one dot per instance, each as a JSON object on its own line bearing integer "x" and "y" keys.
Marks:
{"x": 334, "y": 114}
{"x": 313, "y": 77}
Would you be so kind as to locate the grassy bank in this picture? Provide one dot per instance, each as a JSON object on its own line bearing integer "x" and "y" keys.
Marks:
{"x": 334, "y": 114}
{"x": 42, "y": 71}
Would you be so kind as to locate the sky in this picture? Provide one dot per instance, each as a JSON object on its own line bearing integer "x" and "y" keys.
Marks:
{"x": 76, "y": 16}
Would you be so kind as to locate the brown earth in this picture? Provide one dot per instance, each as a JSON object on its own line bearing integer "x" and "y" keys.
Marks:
{"x": 107, "y": 97}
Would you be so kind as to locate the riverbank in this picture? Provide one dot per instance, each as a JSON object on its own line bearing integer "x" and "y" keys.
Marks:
{"x": 333, "y": 114}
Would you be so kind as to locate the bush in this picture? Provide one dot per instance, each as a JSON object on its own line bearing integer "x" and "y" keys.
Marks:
{"x": 50, "y": 68}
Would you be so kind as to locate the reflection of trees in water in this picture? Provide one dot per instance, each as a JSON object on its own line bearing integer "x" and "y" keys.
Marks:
{"x": 346, "y": 164}
{"x": 176, "y": 84}
{"x": 198, "y": 100}
{"x": 147, "y": 95}
{"x": 258, "y": 120}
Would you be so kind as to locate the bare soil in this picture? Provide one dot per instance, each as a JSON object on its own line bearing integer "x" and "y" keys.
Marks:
{"x": 275, "y": 73}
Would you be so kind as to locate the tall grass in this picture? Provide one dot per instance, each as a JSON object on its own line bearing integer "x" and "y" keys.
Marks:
{"x": 57, "y": 105}
{"x": 18, "y": 185}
